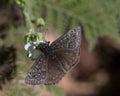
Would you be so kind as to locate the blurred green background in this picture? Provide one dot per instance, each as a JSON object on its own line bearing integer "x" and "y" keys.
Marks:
{"x": 97, "y": 74}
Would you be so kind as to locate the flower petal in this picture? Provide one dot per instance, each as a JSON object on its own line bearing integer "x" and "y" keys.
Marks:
{"x": 27, "y": 46}
{"x": 31, "y": 48}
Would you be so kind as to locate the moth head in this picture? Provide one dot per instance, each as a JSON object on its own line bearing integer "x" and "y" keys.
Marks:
{"x": 42, "y": 45}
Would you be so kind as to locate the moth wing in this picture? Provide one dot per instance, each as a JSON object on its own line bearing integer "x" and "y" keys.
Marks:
{"x": 54, "y": 73}
{"x": 67, "y": 50}
{"x": 70, "y": 40}
{"x": 38, "y": 72}
{"x": 68, "y": 60}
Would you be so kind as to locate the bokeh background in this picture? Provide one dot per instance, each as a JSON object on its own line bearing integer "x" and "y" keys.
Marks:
{"x": 98, "y": 72}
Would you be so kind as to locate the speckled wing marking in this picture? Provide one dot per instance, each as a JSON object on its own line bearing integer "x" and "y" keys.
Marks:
{"x": 54, "y": 73}
{"x": 67, "y": 51}
{"x": 69, "y": 41}
{"x": 38, "y": 72}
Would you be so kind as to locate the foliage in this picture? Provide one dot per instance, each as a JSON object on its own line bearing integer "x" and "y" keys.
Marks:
{"x": 18, "y": 87}
{"x": 15, "y": 36}
{"x": 19, "y": 90}
{"x": 97, "y": 17}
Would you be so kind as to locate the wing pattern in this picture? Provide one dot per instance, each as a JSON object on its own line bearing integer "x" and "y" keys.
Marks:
{"x": 38, "y": 72}
{"x": 67, "y": 52}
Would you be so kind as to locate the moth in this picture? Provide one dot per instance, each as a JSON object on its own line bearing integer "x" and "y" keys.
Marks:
{"x": 56, "y": 59}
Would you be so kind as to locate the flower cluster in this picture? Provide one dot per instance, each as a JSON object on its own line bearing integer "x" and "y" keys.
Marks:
{"x": 33, "y": 52}
{"x": 32, "y": 40}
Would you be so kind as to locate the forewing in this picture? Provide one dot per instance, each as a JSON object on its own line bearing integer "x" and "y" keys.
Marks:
{"x": 38, "y": 72}
{"x": 67, "y": 52}
{"x": 70, "y": 40}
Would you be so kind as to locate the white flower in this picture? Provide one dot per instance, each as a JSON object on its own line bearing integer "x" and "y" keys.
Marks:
{"x": 33, "y": 53}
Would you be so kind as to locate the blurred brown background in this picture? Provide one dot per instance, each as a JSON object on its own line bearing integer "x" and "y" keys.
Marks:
{"x": 98, "y": 72}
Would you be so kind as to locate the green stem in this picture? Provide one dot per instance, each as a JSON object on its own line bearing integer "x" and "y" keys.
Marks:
{"x": 28, "y": 21}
